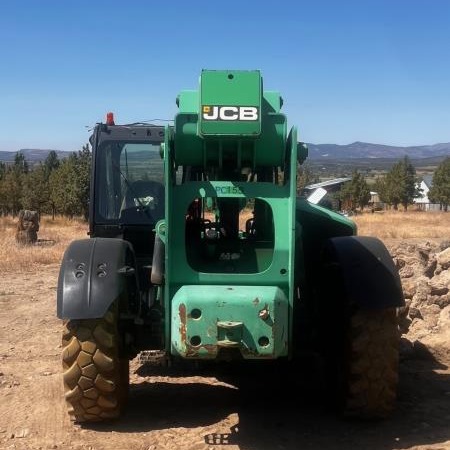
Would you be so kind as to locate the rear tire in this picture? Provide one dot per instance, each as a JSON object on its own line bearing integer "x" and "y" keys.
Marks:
{"x": 371, "y": 372}
{"x": 96, "y": 378}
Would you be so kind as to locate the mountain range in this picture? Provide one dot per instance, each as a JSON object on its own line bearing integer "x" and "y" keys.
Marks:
{"x": 359, "y": 150}
{"x": 324, "y": 152}
{"x": 32, "y": 155}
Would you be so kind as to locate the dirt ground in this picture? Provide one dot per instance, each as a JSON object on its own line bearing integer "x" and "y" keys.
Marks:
{"x": 196, "y": 412}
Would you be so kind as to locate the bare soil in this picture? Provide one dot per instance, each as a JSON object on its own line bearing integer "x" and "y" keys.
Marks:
{"x": 178, "y": 410}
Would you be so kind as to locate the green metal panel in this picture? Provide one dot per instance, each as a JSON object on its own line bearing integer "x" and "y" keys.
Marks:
{"x": 230, "y": 103}
{"x": 265, "y": 267}
{"x": 251, "y": 319}
{"x": 249, "y": 143}
{"x": 337, "y": 223}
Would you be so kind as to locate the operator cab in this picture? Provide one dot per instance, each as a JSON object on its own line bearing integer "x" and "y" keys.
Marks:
{"x": 128, "y": 186}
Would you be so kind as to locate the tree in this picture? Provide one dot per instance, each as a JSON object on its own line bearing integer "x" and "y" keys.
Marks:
{"x": 83, "y": 178}
{"x": 11, "y": 192}
{"x": 63, "y": 188}
{"x": 305, "y": 176}
{"x": 356, "y": 192}
{"x": 440, "y": 191}
{"x": 51, "y": 162}
{"x": 35, "y": 189}
{"x": 20, "y": 163}
{"x": 399, "y": 186}
{"x": 69, "y": 184}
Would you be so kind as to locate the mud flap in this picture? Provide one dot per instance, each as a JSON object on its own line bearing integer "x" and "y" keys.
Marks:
{"x": 94, "y": 273}
{"x": 367, "y": 271}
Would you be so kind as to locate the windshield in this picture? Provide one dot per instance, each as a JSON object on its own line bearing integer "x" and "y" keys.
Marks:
{"x": 129, "y": 183}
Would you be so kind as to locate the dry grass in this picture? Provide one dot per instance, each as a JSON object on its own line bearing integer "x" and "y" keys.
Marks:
{"x": 61, "y": 231}
{"x": 54, "y": 238}
{"x": 404, "y": 225}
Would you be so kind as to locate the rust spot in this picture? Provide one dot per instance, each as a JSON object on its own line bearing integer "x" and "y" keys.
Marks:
{"x": 182, "y": 313}
{"x": 256, "y": 301}
{"x": 264, "y": 313}
{"x": 195, "y": 351}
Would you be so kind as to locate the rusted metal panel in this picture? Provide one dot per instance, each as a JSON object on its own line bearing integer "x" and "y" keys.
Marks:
{"x": 251, "y": 319}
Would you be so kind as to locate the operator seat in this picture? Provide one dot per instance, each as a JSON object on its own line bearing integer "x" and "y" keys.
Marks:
{"x": 143, "y": 203}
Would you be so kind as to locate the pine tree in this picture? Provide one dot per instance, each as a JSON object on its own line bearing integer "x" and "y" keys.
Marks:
{"x": 69, "y": 184}
{"x": 440, "y": 191}
{"x": 20, "y": 163}
{"x": 51, "y": 162}
{"x": 35, "y": 189}
{"x": 399, "y": 186}
{"x": 11, "y": 192}
{"x": 355, "y": 193}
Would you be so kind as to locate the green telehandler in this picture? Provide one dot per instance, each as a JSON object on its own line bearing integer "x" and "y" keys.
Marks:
{"x": 201, "y": 250}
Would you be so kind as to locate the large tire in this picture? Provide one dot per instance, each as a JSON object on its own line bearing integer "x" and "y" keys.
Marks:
{"x": 371, "y": 366}
{"x": 96, "y": 378}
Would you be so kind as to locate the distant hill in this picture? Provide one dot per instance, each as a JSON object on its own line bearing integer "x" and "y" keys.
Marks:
{"x": 359, "y": 150}
{"x": 322, "y": 152}
{"x": 32, "y": 155}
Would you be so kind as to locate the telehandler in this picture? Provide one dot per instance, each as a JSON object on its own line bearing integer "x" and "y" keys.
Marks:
{"x": 200, "y": 249}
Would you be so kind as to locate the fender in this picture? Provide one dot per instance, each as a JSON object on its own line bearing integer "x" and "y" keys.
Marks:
{"x": 367, "y": 271}
{"x": 94, "y": 273}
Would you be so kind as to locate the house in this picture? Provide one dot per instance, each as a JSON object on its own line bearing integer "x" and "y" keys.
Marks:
{"x": 331, "y": 186}
{"x": 423, "y": 203}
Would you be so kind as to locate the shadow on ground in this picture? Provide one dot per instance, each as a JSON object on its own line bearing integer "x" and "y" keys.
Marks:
{"x": 280, "y": 410}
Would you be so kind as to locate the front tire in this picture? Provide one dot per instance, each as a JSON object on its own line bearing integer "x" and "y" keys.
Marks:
{"x": 96, "y": 378}
{"x": 371, "y": 372}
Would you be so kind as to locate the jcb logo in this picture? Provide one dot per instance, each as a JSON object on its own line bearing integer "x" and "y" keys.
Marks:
{"x": 244, "y": 113}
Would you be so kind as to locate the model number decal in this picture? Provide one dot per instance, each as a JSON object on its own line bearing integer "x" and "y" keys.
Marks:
{"x": 229, "y": 190}
{"x": 230, "y": 113}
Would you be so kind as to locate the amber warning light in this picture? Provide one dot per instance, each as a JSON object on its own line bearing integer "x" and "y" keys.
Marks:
{"x": 110, "y": 118}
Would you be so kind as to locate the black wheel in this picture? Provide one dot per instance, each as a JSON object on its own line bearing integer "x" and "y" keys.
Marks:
{"x": 96, "y": 378}
{"x": 370, "y": 373}
{"x": 359, "y": 333}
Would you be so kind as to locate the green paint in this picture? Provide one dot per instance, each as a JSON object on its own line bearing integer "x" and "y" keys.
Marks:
{"x": 233, "y": 236}
{"x": 251, "y": 319}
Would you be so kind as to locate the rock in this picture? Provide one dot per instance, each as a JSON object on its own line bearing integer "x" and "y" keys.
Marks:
{"x": 442, "y": 301}
{"x": 443, "y": 278}
{"x": 443, "y": 258}
{"x": 414, "y": 313}
{"x": 438, "y": 289}
{"x": 406, "y": 272}
{"x": 431, "y": 267}
{"x": 403, "y": 320}
{"x": 46, "y": 374}
{"x": 424, "y": 252}
{"x": 422, "y": 291}
{"x": 409, "y": 288}
{"x": 27, "y": 227}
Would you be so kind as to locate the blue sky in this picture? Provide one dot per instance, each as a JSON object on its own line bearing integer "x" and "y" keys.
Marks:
{"x": 367, "y": 70}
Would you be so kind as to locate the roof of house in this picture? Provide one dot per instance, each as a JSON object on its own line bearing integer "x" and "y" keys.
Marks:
{"x": 428, "y": 180}
{"x": 333, "y": 182}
